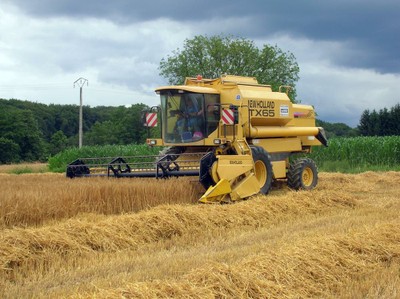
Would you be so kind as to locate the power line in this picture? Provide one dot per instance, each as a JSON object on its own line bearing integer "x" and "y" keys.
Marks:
{"x": 56, "y": 86}
{"x": 9, "y": 87}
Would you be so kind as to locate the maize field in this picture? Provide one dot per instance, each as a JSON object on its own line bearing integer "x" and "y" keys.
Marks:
{"x": 360, "y": 152}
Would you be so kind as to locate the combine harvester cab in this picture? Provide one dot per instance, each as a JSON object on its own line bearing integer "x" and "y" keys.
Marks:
{"x": 234, "y": 134}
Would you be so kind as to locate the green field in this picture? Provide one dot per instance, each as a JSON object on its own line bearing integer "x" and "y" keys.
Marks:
{"x": 349, "y": 155}
{"x": 359, "y": 154}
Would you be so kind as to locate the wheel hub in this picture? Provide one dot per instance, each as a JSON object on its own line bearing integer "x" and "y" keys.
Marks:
{"x": 260, "y": 172}
{"x": 307, "y": 177}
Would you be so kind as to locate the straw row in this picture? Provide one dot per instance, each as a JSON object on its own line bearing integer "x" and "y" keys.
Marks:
{"x": 99, "y": 233}
{"x": 319, "y": 267}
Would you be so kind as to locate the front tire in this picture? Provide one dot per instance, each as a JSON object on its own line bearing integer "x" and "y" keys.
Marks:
{"x": 302, "y": 174}
{"x": 262, "y": 168}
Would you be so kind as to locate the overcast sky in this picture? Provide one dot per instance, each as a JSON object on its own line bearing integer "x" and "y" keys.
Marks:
{"x": 348, "y": 51}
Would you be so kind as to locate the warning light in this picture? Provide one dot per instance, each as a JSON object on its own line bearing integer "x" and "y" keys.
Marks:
{"x": 199, "y": 77}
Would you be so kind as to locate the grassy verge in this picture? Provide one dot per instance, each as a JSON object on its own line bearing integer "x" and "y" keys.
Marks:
{"x": 24, "y": 168}
{"x": 345, "y": 167}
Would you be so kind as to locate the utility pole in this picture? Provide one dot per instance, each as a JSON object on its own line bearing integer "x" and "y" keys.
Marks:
{"x": 80, "y": 82}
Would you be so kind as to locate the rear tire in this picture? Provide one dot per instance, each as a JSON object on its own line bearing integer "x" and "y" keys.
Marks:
{"x": 302, "y": 174}
{"x": 262, "y": 168}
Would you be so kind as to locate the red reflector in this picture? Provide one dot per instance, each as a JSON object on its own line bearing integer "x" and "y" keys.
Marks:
{"x": 151, "y": 119}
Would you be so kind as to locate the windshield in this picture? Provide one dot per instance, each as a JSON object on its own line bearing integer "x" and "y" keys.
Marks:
{"x": 184, "y": 115}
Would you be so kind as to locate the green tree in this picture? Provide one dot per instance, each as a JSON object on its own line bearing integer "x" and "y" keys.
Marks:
{"x": 21, "y": 127}
{"x": 131, "y": 125}
{"x": 124, "y": 127}
{"x": 216, "y": 55}
{"x": 395, "y": 115}
{"x": 365, "y": 126}
{"x": 67, "y": 119}
{"x": 9, "y": 151}
{"x": 58, "y": 142}
{"x": 375, "y": 123}
{"x": 385, "y": 123}
{"x": 337, "y": 129}
{"x": 103, "y": 133}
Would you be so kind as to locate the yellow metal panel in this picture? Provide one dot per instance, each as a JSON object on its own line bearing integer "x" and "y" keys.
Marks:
{"x": 216, "y": 193}
{"x": 232, "y": 166}
{"x": 257, "y": 92}
{"x": 279, "y": 168}
{"x": 246, "y": 187}
{"x": 239, "y": 79}
{"x": 299, "y": 107}
{"x": 303, "y": 116}
{"x": 276, "y": 145}
{"x": 264, "y": 131}
{"x": 269, "y": 111}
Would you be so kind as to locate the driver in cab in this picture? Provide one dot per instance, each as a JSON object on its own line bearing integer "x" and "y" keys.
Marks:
{"x": 189, "y": 118}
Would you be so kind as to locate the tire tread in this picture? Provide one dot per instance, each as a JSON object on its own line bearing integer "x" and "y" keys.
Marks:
{"x": 294, "y": 176}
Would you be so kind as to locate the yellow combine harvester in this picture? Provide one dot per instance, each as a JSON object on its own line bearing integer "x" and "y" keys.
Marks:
{"x": 235, "y": 134}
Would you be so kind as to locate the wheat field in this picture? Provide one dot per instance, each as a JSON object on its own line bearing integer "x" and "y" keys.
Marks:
{"x": 122, "y": 238}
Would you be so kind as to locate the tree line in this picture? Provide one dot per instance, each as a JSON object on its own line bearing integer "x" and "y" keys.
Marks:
{"x": 385, "y": 122}
{"x": 33, "y": 131}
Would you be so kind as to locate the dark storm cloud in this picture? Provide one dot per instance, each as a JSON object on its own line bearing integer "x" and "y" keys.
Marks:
{"x": 371, "y": 27}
